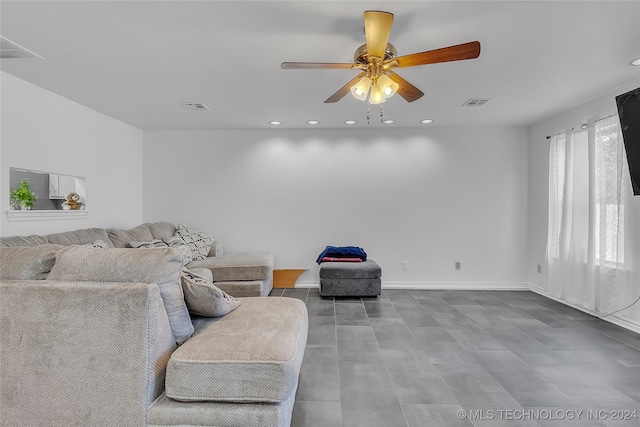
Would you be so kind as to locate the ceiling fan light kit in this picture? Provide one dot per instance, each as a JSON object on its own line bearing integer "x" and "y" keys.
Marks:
{"x": 360, "y": 90}
{"x": 376, "y": 58}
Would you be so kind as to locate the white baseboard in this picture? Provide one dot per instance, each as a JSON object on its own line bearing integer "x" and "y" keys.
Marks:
{"x": 616, "y": 320}
{"x": 458, "y": 286}
{"x": 479, "y": 286}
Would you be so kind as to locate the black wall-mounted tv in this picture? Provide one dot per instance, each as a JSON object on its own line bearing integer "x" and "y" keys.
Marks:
{"x": 629, "y": 113}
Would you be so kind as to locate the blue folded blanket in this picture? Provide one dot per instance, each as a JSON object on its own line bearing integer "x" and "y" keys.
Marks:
{"x": 342, "y": 252}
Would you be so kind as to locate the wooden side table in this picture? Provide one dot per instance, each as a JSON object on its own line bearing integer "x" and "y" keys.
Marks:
{"x": 286, "y": 278}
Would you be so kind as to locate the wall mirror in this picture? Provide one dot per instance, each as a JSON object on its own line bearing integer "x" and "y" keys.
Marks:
{"x": 51, "y": 189}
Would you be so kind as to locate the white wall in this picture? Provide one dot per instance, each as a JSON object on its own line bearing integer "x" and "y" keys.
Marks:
{"x": 431, "y": 197}
{"x": 45, "y": 132}
{"x": 538, "y": 155}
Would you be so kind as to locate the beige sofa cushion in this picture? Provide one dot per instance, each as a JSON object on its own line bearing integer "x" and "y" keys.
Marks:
{"x": 161, "y": 230}
{"x": 203, "y": 298}
{"x": 121, "y": 238}
{"x": 27, "y": 263}
{"x": 247, "y": 266}
{"x": 79, "y": 237}
{"x": 162, "y": 266}
{"x": 168, "y": 412}
{"x": 247, "y": 288}
{"x": 252, "y": 354}
{"x": 32, "y": 240}
{"x": 171, "y": 242}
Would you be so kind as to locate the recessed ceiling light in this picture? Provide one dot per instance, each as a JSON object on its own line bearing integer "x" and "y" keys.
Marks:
{"x": 426, "y": 121}
{"x": 350, "y": 122}
{"x": 275, "y": 123}
{"x": 636, "y": 62}
{"x": 194, "y": 106}
{"x": 312, "y": 122}
{"x": 476, "y": 102}
{"x": 388, "y": 121}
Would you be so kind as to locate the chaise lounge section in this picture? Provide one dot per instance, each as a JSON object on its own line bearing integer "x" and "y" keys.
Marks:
{"x": 104, "y": 337}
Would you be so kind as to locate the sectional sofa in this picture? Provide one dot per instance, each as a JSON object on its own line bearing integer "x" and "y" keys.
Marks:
{"x": 241, "y": 275}
{"x": 110, "y": 337}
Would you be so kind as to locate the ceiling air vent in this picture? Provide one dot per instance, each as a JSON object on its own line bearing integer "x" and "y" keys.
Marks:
{"x": 476, "y": 102}
{"x": 11, "y": 50}
{"x": 194, "y": 106}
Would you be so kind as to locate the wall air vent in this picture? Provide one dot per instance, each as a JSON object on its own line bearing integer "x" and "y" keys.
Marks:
{"x": 476, "y": 102}
{"x": 194, "y": 106}
{"x": 12, "y": 50}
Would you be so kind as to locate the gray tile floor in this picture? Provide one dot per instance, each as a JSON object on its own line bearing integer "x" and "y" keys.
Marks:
{"x": 463, "y": 358}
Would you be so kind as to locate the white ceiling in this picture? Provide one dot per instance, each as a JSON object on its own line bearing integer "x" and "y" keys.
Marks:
{"x": 138, "y": 60}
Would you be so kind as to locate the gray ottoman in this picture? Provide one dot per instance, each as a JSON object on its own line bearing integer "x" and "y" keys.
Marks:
{"x": 350, "y": 279}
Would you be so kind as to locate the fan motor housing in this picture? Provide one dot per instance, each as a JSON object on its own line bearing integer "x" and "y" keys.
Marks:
{"x": 361, "y": 55}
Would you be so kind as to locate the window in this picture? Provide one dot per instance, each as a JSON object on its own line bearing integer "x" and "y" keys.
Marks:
{"x": 610, "y": 193}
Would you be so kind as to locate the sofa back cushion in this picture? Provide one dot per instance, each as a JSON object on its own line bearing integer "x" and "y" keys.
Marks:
{"x": 162, "y": 266}
{"x": 27, "y": 263}
{"x": 171, "y": 242}
{"x": 161, "y": 230}
{"x": 32, "y": 240}
{"x": 79, "y": 237}
{"x": 121, "y": 238}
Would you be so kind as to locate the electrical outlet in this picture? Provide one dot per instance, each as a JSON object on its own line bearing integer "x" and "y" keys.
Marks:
{"x": 539, "y": 268}
{"x": 458, "y": 265}
{"x": 405, "y": 265}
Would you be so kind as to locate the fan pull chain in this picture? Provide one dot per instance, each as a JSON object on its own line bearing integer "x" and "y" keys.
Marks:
{"x": 381, "y": 114}
{"x": 368, "y": 113}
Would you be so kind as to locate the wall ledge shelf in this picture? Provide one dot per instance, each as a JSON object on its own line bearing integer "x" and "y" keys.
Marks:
{"x": 42, "y": 215}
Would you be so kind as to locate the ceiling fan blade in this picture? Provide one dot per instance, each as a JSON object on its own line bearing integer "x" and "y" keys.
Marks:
{"x": 311, "y": 65}
{"x": 469, "y": 50}
{"x": 406, "y": 90}
{"x": 344, "y": 89}
{"x": 377, "y": 26}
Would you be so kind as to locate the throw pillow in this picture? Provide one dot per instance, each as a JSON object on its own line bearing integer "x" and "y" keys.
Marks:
{"x": 198, "y": 241}
{"x": 171, "y": 242}
{"x": 100, "y": 244}
{"x": 162, "y": 266}
{"x": 203, "y": 298}
{"x": 27, "y": 262}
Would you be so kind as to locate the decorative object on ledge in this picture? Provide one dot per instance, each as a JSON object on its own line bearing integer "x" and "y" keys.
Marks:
{"x": 72, "y": 202}
{"x": 22, "y": 197}
{"x": 286, "y": 278}
{"x": 41, "y": 215}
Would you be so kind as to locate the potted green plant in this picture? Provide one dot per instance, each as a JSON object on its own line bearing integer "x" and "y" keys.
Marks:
{"x": 23, "y": 197}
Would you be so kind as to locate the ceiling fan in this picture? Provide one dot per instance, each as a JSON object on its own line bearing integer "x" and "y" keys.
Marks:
{"x": 376, "y": 58}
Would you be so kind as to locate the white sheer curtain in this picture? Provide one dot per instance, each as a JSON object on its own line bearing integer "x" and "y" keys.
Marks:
{"x": 611, "y": 266}
{"x": 592, "y": 254}
{"x": 567, "y": 247}
{"x": 554, "y": 255}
